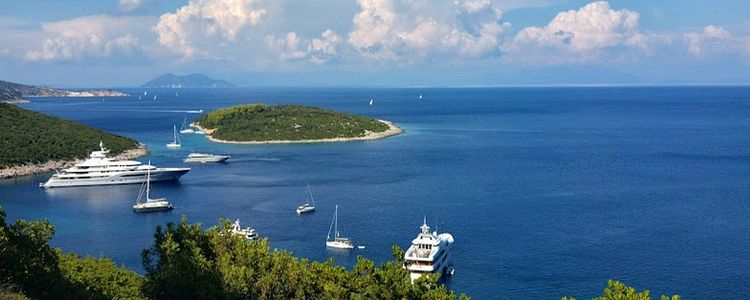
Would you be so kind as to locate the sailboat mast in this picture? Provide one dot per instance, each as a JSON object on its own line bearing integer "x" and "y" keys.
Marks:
{"x": 336, "y": 220}
{"x": 311, "y": 196}
{"x": 148, "y": 181}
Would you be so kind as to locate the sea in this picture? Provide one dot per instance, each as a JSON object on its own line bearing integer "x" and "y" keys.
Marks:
{"x": 548, "y": 192}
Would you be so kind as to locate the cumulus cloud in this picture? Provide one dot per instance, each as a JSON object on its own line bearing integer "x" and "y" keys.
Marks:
{"x": 593, "y": 32}
{"x": 86, "y": 37}
{"x": 712, "y": 39}
{"x": 318, "y": 50}
{"x": 132, "y": 5}
{"x": 191, "y": 24}
{"x": 403, "y": 30}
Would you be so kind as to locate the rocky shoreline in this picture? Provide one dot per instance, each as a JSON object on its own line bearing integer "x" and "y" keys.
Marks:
{"x": 369, "y": 136}
{"x": 31, "y": 169}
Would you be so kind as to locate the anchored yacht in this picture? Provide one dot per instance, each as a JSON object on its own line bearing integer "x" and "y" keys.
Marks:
{"x": 248, "y": 232}
{"x": 205, "y": 158}
{"x": 98, "y": 169}
{"x": 430, "y": 252}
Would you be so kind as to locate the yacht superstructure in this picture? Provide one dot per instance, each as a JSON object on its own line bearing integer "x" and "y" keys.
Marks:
{"x": 430, "y": 252}
{"x": 98, "y": 169}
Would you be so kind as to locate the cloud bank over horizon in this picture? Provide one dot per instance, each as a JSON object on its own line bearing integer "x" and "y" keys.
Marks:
{"x": 404, "y": 36}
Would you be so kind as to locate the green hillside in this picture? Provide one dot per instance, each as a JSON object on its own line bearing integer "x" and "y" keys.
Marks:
{"x": 31, "y": 137}
{"x": 259, "y": 122}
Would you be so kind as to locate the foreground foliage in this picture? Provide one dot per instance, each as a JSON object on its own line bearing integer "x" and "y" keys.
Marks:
{"x": 258, "y": 122}
{"x": 29, "y": 266}
{"x": 187, "y": 262}
{"x": 31, "y": 137}
{"x": 616, "y": 290}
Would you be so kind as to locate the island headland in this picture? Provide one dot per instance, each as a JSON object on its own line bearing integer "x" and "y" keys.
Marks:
{"x": 289, "y": 124}
{"x": 32, "y": 142}
{"x": 15, "y": 93}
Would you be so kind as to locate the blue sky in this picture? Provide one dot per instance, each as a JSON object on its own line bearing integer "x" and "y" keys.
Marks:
{"x": 377, "y": 42}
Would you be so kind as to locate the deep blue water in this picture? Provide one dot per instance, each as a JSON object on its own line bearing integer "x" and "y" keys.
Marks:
{"x": 548, "y": 191}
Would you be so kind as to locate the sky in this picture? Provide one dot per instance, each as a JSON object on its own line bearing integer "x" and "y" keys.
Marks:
{"x": 391, "y": 43}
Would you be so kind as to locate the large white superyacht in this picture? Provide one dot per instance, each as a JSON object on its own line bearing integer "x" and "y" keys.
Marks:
{"x": 430, "y": 252}
{"x": 98, "y": 169}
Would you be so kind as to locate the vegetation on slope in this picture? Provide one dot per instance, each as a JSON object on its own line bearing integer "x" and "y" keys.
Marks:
{"x": 31, "y": 137}
{"x": 258, "y": 122}
{"x": 187, "y": 262}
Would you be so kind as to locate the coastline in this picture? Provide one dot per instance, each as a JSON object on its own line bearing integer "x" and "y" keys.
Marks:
{"x": 369, "y": 136}
{"x": 31, "y": 169}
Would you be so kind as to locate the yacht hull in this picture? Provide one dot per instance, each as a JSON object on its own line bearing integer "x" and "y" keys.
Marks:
{"x": 214, "y": 159}
{"x": 129, "y": 177}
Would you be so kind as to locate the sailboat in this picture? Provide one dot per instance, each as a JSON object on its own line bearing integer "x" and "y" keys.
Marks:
{"x": 185, "y": 128}
{"x": 420, "y": 95}
{"x": 307, "y": 207}
{"x": 154, "y": 97}
{"x": 370, "y": 101}
{"x": 145, "y": 93}
{"x": 176, "y": 94}
{"x": 149, "y": 205}
{"x": 176, "y": 142}
{"x": 338, "y": 242}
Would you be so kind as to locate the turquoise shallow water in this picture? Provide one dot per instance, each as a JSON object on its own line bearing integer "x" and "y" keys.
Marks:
{"x": 548, "y": 191}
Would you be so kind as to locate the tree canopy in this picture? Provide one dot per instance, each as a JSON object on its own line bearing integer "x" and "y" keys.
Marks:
{"x": 31, "y": 137}
{"x": 259, "y": 122}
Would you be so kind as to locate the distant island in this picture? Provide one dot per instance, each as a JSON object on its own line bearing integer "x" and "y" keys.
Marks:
{"x": 11, "y": 92}
{"x": 32, "y": 142}
{"x": 170, "y": 80}
{"x": 262, "y": 124}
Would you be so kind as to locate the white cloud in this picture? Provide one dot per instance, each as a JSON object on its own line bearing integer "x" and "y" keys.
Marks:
{"x": 403, "y": 30}
{"x": 184, "y": 30}
{"x": 132, "y": 5}
{"x": 712, "y": 39}
{"x": 593, "y": 32}
{"x": 86, "y": 37}
{"x": 318, "y": 50}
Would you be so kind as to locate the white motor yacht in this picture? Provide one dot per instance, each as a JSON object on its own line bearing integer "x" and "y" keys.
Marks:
{"x": 205, "y": 158}
{"x": 98, "y": 169}
{"x": 248, "y": 232}
{"x": 430, "y": 252}
{"x": 337, "y": 242}
{"x": 149, "y": 205}
{"x": 307, "y": 207}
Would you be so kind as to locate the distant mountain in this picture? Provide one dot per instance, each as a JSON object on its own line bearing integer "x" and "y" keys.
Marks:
{"x": 10, "y": 92}
{"x": 170, "y": 80}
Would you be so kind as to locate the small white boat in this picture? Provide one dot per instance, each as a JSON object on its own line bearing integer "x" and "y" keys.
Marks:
{"x": 307, "y": 207}
{"x": 248, "y": 232}
{"x": 199, "y": 132}
{"x": 145, "y": 93}
{"x": 420, "y": 96}
{"x": 154, "y": 97}
{"x": 199, "y": 111}
{"x": 149, "y": 205}
{"x": 185, "y": 128}
{"x": 176, "y": 142}
{"x": 371, "y": 101}
{"x": 337, "y": 242}
{"x": 361, "y": 247}
{"x": 139, "y": 97}
{"x": 205, "y": 158}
